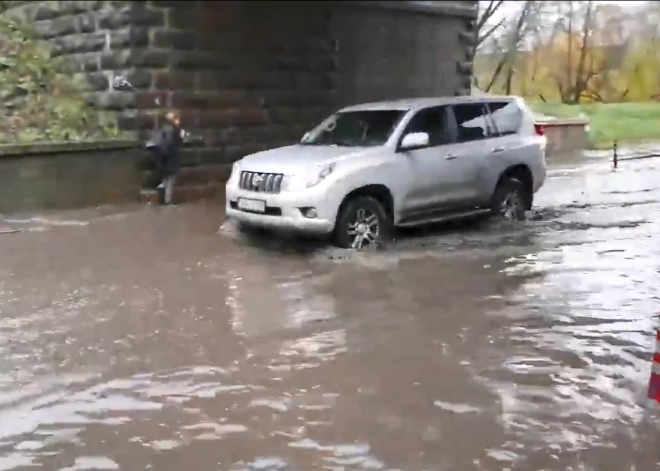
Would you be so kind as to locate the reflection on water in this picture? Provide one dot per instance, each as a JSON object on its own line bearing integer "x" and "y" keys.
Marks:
{"x": 147, "y": 340}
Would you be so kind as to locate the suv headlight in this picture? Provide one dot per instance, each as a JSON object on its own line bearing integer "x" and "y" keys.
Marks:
{"x": 235, "y": 174}
{"x": 307, "y": 180}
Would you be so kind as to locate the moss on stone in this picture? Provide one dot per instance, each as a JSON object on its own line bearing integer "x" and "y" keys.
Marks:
{"x": 41, "y": 102}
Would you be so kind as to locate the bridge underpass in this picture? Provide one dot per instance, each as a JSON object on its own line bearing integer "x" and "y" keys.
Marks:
{"x": 251, "y": 75}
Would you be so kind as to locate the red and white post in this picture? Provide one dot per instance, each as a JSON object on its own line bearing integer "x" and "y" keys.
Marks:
{"x": 654, "y": 381}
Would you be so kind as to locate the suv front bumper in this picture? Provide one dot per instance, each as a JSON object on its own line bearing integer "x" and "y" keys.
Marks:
{"x": 284, "y": 210}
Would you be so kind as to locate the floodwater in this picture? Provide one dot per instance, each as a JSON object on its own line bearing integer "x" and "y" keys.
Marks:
{"x": 146, "y": 339}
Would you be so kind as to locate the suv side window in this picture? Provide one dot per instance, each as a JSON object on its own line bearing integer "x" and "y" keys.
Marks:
{"x": 432, "y": 121}
{"x": 507, "y": 116}
{"x": 473, "y": 122}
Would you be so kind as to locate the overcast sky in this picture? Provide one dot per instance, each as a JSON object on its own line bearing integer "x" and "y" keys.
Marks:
{"x": 510, "y": 7}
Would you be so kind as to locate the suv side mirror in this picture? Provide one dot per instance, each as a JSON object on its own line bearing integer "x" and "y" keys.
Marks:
{"x": 414, "y": 139}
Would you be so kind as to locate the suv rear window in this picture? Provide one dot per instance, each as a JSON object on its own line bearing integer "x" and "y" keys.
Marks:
{"x": 507, "y": 116}
{"x": 473, "y": 122}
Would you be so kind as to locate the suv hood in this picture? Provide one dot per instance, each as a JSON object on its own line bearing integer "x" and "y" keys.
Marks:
{"x": 295, "y": 159}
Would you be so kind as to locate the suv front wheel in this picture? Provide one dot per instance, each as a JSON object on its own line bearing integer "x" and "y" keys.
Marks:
{"x": 510, "y": 200}
{"x": 362, "y": 223}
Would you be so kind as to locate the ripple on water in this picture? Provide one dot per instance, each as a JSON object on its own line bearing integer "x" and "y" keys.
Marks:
{"x": 581, "y": 366}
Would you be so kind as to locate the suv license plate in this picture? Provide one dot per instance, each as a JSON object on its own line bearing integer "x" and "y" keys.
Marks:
{"x": 256, "y": 206}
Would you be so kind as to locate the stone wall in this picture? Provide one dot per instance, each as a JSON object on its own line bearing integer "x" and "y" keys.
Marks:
{"x": 389, "y": 50}
{"x": 101, "y": 39}
{"x": 249, "y": 75}
{"x": 35, "y": 178}
{"x": 245, "y": 75}
{"x": 566, "y": 136}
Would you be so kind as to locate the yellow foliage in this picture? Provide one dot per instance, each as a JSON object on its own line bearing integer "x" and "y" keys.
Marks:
{"x": 612, "y": 70}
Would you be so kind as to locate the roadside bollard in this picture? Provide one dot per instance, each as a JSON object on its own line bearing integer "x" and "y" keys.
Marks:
{"x": 654, "y": 381}
{"x": 615, "y": 157}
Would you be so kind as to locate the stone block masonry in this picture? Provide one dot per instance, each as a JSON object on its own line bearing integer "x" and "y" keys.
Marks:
{"x": 101, "y": 39}
{"x": 245, "y": 76}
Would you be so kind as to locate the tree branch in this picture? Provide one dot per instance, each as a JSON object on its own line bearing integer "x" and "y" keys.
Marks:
{"x": 485, "y": 17}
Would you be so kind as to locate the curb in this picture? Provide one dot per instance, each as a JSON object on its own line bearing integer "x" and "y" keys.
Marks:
{"x": 45, "y": 148}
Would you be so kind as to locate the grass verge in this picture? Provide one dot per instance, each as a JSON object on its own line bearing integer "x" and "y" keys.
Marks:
{"x": 628, "y": 123}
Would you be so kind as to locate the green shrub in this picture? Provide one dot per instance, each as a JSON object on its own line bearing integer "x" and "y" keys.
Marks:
{"x": 40, "y": 103}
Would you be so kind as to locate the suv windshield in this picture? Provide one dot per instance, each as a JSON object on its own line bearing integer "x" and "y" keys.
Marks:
{"x": 355, "y": 129}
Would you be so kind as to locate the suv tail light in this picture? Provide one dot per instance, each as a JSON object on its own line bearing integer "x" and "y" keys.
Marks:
{"x": 539, "y": 129}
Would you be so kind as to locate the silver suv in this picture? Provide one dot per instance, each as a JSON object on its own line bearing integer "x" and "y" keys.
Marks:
{"x": 369, "y": 168}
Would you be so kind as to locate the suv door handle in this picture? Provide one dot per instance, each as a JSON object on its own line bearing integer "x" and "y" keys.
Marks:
{"x": 498, "y": 150}
{"x": 451, "y": 157}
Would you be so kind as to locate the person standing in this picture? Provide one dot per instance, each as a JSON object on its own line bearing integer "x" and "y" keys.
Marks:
{"x": 166, "y": 146}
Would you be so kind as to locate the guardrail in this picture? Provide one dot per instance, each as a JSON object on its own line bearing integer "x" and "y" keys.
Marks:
{"x": 634, "y": 154}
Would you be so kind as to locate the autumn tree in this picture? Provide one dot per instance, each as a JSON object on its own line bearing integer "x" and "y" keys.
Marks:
{"x": 574, "y": 52}
{"x": 503, "y": 47}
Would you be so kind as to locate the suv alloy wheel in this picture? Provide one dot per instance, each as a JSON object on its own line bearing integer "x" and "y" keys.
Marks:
{"x": 362, "y": 223}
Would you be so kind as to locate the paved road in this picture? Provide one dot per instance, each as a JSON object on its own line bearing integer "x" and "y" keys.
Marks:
{"x": 147, "y": 340}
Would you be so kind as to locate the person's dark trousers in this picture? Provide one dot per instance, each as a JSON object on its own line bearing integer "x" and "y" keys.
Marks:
{"x": 165, "y": 176}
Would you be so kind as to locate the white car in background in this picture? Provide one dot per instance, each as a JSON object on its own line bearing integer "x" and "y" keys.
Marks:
{"x": 370, "y": 168}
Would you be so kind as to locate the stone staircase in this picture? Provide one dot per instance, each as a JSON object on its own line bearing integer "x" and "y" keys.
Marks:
{"x": 193, "y": 184}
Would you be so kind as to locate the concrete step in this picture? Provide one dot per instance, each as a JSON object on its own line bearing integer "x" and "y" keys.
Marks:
{"x": 186, "y": 194}
{"x": 193, "y": 184}
{"x": 203, "y": 174}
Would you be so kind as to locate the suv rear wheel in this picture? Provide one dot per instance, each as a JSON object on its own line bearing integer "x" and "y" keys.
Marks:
{"x": 362, "y": 223}
{"x": 510, "y": 200}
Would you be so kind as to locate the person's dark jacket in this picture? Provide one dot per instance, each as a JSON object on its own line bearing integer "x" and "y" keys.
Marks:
{"x": 166, "y": 145}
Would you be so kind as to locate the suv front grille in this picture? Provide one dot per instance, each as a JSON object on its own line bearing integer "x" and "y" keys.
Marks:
{"x": 261, "y": 182}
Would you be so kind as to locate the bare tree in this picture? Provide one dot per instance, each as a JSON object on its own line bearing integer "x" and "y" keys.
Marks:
{"x": 511, "y": 42}
{"x": 583, "y": 75}
{"x": 578, "y": 28}
{"x": 487, "y": 24}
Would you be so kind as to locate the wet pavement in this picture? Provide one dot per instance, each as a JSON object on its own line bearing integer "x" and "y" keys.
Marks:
{"x": 146, "y": 339}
